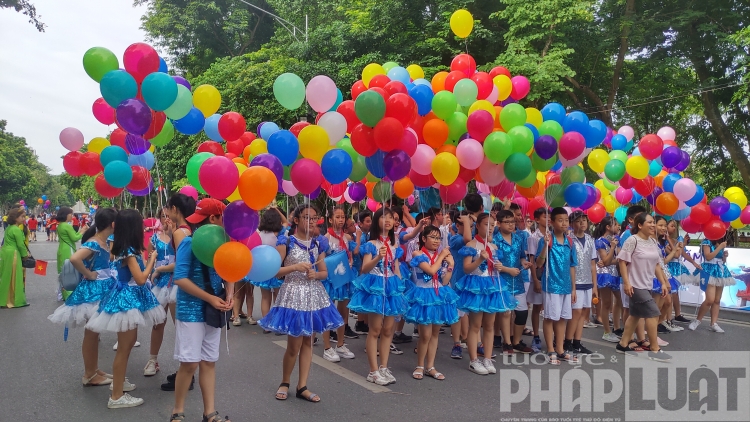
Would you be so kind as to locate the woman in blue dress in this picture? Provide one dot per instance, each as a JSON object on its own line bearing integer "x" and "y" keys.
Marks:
{"x": 714, "y": 268}
{"x": 432, "y": 302}
{"x": 92, "y": 261}
{"x": 302, "y": 306}
{"x": 129, "y": 304}
{"x": 269, "y": 229}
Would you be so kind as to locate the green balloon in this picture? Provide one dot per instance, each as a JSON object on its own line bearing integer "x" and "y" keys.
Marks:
{"x": 572, "y": 174}
{"x": 389, "y": 65}
{"x": 346, "y": 145}
{"x": 369, "y": 107}
{"x": 614, "y": 170}
{"x": 359, "y": 168}
{"x": 528, "y": 181}
{"x": 444, "y": 104}
{"x": 551, "y": 128}
{"x": 522, "y": 139}
{"x": 619, "y": 156}
{"x": 97, "y": 61}
{"x": 382, "y": 192}
{"x": 206, "y": 240}
{"x": 287, "y": 172}
{"x": 609, "y": 186}
{"x": 517, "y": 167}
{"x": 166, "y": 135}
{"x": 456, "y": 125}
{"x": 372, "y": 178}
{"x": 554, "y": 196}
{"x": 289, "y": 91}
{"x": 497, "y": 147}
{"x": 512, "y": 115}
{"x": 542, "y": 165}
{"x": 181, "y": 105}
{"x": 466, "y": 92}
{"x": 193, "y": 167}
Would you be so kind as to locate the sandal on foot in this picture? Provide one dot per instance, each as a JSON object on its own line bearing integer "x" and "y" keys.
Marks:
{"x": 418, "y": 375}
{"x": 527, "y": 332}
{"x": 87, "y": 381}
{"x": 282, "y": 395}
{"x": 177, "y": 417}
{"x": 214, "y": 417}
{"x": 104, "y": 374}
{"x": 645, "y": 345}
{"x": 635, "y": 346}
{"x": 553, "y": 359}
{"x": 314, "y": 398}
{"x": 568, "y": 357}
{"x": 437, "y": 375}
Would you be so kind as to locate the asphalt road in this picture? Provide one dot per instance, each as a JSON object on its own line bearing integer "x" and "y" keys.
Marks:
{"x": 40, "y": 374}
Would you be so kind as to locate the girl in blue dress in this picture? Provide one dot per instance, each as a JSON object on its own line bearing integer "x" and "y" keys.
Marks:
{"x": 678, "y": 269}
{"x": 302, "y": 306}
{"x": 378, "y": 292}
{"x": 129, "y": 304}
{"x": 432, "y": 302}
{"x": 92, "y": 261}
{"x": 715, "y": 269}
{"x": 269, "y": 229}
{"x": 667, "y": 254}
{"x": 608, "y": 276}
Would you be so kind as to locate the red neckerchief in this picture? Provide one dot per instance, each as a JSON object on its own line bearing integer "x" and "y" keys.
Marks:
{"x": 388, "y": 254}
{"x": 489, "y": 252}
{"x": 432, "y": 258}
{"x": 342, "y": 242}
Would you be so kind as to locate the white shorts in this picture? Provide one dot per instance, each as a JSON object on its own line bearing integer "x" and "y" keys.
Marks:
{"x": 533, "y": 297}
{"x": 522, "y": 305}
{"x": 196, "y": 341}
{"x": 625, "y": 299}
{"x": 557, "y": 307}
{"x": 583, "y": 299}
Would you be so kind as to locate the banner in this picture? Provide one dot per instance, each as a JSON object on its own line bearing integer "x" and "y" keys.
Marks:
{"x": 734, "y": 297}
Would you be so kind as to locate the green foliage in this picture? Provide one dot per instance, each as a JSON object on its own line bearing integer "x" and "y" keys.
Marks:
{"x": 27, "y": 8}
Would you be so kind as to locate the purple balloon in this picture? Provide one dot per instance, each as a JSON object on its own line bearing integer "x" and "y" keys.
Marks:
{"x": 136, "y": 145}
{"x": 507, "y": 101}
{"x": 396, "y": 164}
{"x": 315, "y": 193}
{"x": 684, "y": 161}
{"x": 182, "y": 81}
{"x": 545, "y": 147}
{"x": 134, "y": 116}
{"x": 590, "y": 198}
{"x": 719, "y": 205}
{"x": 651, "y": 198}
{"x": 260, "y": 125}
{"x": 240, "y": 221}
{"x": 670, "y": 157}
{"x": 270, "y": 162}
{"x": 357, "y": 191}
{"x": 464, "y": 136}
{"x": 143, "y": 192}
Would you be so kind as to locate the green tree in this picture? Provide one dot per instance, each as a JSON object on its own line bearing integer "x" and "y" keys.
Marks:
{"x": 27, "y": 8}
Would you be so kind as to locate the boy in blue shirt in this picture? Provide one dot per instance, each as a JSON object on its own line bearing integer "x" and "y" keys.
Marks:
{"x": 558, "y": 283}
{"x": 629, "y": 217}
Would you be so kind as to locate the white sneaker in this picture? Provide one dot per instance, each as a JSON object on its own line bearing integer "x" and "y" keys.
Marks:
{"x": 125, "y": 401}
{"x": 344, "y": 352}
{"x": 589, "y": 324}
{"x": 715, "y": 327}
{"x": 137, "y": 344}
{"x": 237, "y": 322}
{"x": 666, "y": 325}
{"x": 477, "y": 367}
{"x": 127, "y": 386}
{"x": 489, "y": 366}
{"x": 675, "y": 327}
{"x": 376, "y": 377}
{"x": 694, "y": 324}
{"x": 251, "y": 321}
{"x": 661, "y": 342}
{"x": 388, "y": 375}
{"x": 464, "y": 346}
{"x": 611, "y": 337}
{"x": 331, "y": 355}
{"x": 152, "y": 367}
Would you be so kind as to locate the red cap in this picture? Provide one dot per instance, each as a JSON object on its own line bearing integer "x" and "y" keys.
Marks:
{"x": 206, "y": 208}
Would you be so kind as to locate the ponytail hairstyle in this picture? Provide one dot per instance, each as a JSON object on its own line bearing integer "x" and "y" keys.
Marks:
{"x": 103, "y": 219}
{"x": 128, "y": 233}
{"x": 375, "y": 227}
{"x": 333, "y": 211}
{"x": 601, "y": 228}
{"x": 183, "y": 203}
{"x": 297, "y": 212}
{"x": 426, "y": 232}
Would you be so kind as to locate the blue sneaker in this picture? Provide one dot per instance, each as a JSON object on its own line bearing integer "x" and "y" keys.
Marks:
{"x": 536, "y": 345}
{"x": 456, "y": 352}
{"x": 480, "y": 351}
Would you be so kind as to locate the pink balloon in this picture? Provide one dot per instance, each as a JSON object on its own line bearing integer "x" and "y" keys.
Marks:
{"x": 409, "y": 142}
{"x": 480, "y": 124}
{"x": 372, "y": 205}
{"x": 627, "y": 132}
{"x": 623, "y": 195}
{"x": 482, "y": 188}
{"x": 103, "y": 112}
{"x": 321, "y": 93}
{"x": 421, "y": 161}
{"x": 306, "y": 175}
{"x": 348, "y": 198}
{"x": 503, "y": 190}
{"x": 289, "y": 188}
{"x": 71, "y": 138}
{"x": 521, "y": 87}
{"x": 745, "y": 215}
{"x": 410, "y": 200}
{"x": 219, "y": 176}
{"x": 252, "y": 241}
{"x": 190, "y": 191}
{"x": 470, "y": 153}
{"x": 572, "y": 145}
{"x": 685, "y": 189}
{"x": 492, "y": 174}
{"x": 666, "y": 133}
{"x": 494, "y": 95}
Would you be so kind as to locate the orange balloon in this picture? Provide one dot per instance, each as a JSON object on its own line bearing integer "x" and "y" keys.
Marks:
{"x": 667, "y": 203}
{"x": 438, "y": 82}
{"x": 370, "y": 186}
{"x": 659, "y": 178}
{"x": 531, "y": 192}
{"x": 232, "y": 261}
{"x": 403, "y": 188}
{"x": 258, "y": 187}
{"x": 239, "y": 160}
{"x": 247, "y": 152}
{"x": 435, "y": 133}
{"x": 498, "y": 109}
{"x": 446, "y": 148}
{"x": 478, "y": 177}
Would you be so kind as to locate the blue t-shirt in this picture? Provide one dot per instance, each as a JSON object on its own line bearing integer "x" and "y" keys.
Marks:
{"x": 624, "y": 236}
{"x": 561, "y": 259}
{"x": 455, "y": 243}
{"x": 510, "y": 255}
{"x": 190, "y": 308}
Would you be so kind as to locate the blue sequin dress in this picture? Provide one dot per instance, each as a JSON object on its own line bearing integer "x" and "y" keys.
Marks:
{"x": 380, "y": 291}
{"x": 163, "y": 287}
{"x": 479, "y": 291}
{"x": 681, "y": 272}
{"x": 674, "y": 285}
{"x": 302, "y": 305}
{"x": 83, "y": 303}
{"x": 609, "y": 276}
{"x": 427, "y": 306}
{"x": 718, "y": 273}
{"x": 270, "y": 239}
{"x": 127, "y": 305}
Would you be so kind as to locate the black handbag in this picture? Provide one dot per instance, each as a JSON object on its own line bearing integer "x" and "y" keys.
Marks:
{"x": 28, "y": 261}
{"x": 214, "y": 317}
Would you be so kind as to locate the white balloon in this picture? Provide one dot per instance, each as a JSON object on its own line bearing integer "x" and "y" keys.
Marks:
{"x": 335, "y": 126}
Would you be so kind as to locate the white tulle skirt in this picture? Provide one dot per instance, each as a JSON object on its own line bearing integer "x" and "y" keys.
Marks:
{"x": 165, "y": 295}
{"x": 74, "y": 316}
{"x": 126, "y": 321}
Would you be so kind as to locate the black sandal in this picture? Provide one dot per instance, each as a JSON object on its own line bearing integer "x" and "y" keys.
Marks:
{"x": 285, "y": 393}
{"x": 177, "y": 417}
{"x": 216, "y": 417}
{"x": 310, "y": 398}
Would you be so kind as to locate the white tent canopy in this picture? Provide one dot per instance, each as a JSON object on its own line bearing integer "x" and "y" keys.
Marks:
{"x": 79, "y": 208}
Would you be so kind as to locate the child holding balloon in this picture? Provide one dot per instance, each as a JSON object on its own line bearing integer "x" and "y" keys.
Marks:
{"x": 678, "y": 269}
{"x": 714, "y": 277}
{"x": 608, "y": 276}
{"x": 269, "y": 229}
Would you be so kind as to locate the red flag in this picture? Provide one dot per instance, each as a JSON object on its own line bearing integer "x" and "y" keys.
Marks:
{"x": 41, "y": 267}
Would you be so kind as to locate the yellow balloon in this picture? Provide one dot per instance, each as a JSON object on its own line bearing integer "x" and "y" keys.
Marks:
{"x": 610, "y": 204}
{"x": 482, "y": 105}
{"x": 462, "y": 23}
{"x": 598, "y": 158}
{"x": 98, "y": 144}
{"x": 370, "y": 71}
{"x": 738, "y": 198}
{"x": 504, "y": 86}
{"x": 737, "y": 224}
{"x": 637, "y": 167}
{"x": 541, "y": 177}
{"x": 258, "y": 146}
{"x": 533, "y": 116}
{"x": 235, "y": 196}
{"x": 599, "y": 184}
{"x": 733, "y": 189}
{"x": 415, "y": 72}
{"x": 152, "y": 148}
{"x": 371, "y": 178}
{"x": 207, "y": 99}
{"x": 445, "y": 168}
{"x": 313, "y": 142}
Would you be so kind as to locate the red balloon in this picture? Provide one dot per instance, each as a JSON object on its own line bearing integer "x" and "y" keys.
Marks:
{"x": 141, "y": 178}
{"x": 363, "y": 140}
{"x": 504, "y": 189}
{"x": 464, "y": 173}
{"x": 358, "y": 88}
{"x": 422, "y": 181}
{"x": 395, "y": 87}
{"x": 464, "y": 63}
{"x": 382, "y": 92}
{"x": 646, "y": 186}
{"x": 627, "y": 181}
{"x": 553, "y": 179}
{"x": 212, "y": 147}
{"x": 401, "y": 107}
{"x": 701, "y": 213}
{"x": 346, "y": 109}
{"x": 72, "y": 163}
{"x": 317, "y": 118}
{"x": 236, "y": 147}
{"x": 484, "y": 84}
{"x": 499, "y": 70}
{"x": 417, "y": 124}
{"x": 140, "y": 59}
{"x": 452, "y": 79}
{"x": 715, "y": 229}
{"x": 388, "y": 133}
{"x": 158, "y": 118}
{"x": 379, "y": 81}
{"x": 454, "y": 192}
{"x": 596, "y": 213}
{"x": 232, "y": 126}
{"x": 90, "y": 164}
{"x": 248, "y": 137}
{"x": 231, "y": 156}
{"x": 409, "y": 143}
{"x": 105, "y": 189}
{"x": 334, "y": 191}
{"x": 117, "y": 138}
{"x": 297, "y": 128}
{"x": 651, "y": 146}
{"x": 690, "y": 226}
{"x": 103, "y": 112}
{"x": 535, "y": 204}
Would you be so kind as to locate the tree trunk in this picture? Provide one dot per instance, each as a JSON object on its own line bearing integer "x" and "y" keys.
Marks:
{"x": 604, "y": 114}
{"x": 627, "y": 23}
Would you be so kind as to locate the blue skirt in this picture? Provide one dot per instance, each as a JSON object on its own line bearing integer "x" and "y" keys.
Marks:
{"x": 123, "y": 298}
{"x": 270, "y": 284}
{"x": 719, "y": 275}
{"x": 90, "y": 291}
{"x": 338, "y": 293}
{"x": 373, "y": 295}
{"x": 483, "y": 294}
{"x": 674, "y": 286}
{"x": 126, "y": 308}
{"x": 677, "y": 268}
{"x": 427, "y": 307}
{"x": 301, "y": 323}
{"x": 604, "y": 281}
{"x": 162, "y": 280}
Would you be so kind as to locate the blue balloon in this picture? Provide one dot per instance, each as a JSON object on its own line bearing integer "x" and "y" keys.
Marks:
{"x": 400, "y": 74}
{"x": 629, "y": 146}
{"x": 621, "y": 213}
{"x": 697, "y": 198}
{"x": 596, "y": 133}
{"x": 339, "y": 100}
{"x": 112, "y": 153}
{"x": 636, "y": 197}
{"x": 554, "y": 111}
{"x": 576, "y": 194}
{"x": 267, "y": 263}
{"x": 163, "y": 66}
{"x": 44, "y": 197}
{"x": 422, "y": 81}
{"x": 336, "y": 165}
{"x": 681, "y": 214}
{"x": 284, "y": 145}
{"x": 669, "y": 181}
{"x": 576, "y": 121}
{"x": 117, "y": 86}
{"x": 654, "y": 168}
{"x": 557, "y": 166}
{"x": 619, "y": 142}
{"x": 731, "y": 214}
{"x": 533, "y": 130}
{"x": 159, "y": 91}
{"x": 191, "y": 124}
{"x": 145, "y": 160}
{"x": 422, "y": 95}
{"x": 374, "y": 163}
{"x": 211, "y": 127}
{"x": 268, "y": 129}
{"x": 57, "y": 208}
{"x": 118, "y": 174}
